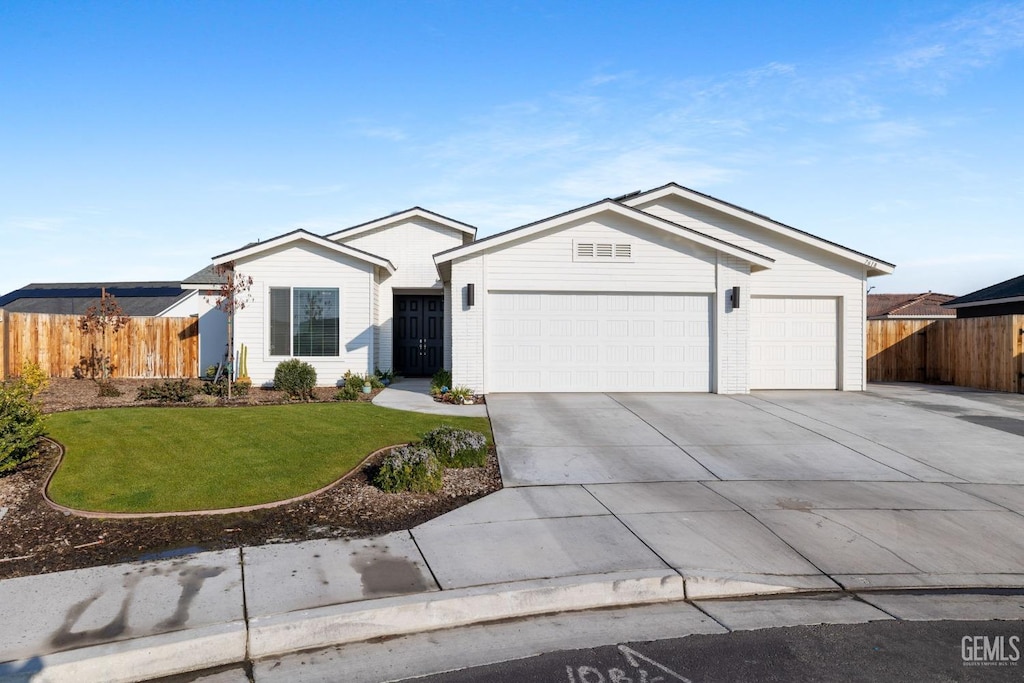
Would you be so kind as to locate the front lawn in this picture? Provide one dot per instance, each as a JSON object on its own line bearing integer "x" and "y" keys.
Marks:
{"x": 173, "y": 459}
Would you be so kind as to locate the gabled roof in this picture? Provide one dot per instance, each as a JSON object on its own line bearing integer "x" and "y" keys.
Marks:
{"x": 414, "y": 212}
{"x": 874, "y": 265}
{"x": 1005, "y": 292}
{"x": 73, "y": 298}
{"x": 303, "y": 236}
{"x": 925, "y": 305}
{"x": 759, "y": 261}
{"x": 208, "y": 276}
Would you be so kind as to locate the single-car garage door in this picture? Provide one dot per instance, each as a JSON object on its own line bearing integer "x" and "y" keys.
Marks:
{"x": 598, "y": 342}
{"x": 793, "y": 343}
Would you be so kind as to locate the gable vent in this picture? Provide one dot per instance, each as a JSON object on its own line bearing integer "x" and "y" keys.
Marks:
{"x": 602, "y": 251}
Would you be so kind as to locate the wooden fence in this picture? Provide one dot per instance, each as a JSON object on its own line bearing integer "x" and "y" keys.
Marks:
{"x": 983, "y": 353}
{"x": 145, "y": 347}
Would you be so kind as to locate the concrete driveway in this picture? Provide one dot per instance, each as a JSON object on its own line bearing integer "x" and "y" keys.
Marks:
{"x": 899, "y": 487}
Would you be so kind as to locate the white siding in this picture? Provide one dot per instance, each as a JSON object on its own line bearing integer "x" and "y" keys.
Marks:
{"x": 799, "y": 270}
{"x": 213, "y": 331}
{"x": 659, "y": 262}
{"x": 410, "y": 245}
{"x": 467, "y": 323}
{"x": 732, "y": 347}
{"x": 304, "y": 265}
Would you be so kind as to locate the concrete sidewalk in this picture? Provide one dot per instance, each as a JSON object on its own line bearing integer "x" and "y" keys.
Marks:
{"x": 611, "y": 501}
{"x": 413, "y": 394}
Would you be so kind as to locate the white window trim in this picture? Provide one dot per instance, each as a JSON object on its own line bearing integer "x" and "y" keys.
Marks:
{"x": 267, "y": 356}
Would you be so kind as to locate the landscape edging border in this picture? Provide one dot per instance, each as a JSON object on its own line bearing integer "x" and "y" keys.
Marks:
{"x": 222, "y": 511}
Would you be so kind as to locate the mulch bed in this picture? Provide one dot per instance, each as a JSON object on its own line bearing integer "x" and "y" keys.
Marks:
{"x": 36, "y": 539}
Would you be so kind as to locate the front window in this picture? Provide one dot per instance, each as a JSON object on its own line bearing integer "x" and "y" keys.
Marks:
{"x": 304, "y": 321}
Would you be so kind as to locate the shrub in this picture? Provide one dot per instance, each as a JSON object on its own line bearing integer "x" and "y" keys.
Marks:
{"x": 410, "y": 468}
{"x": 108, "y": 390}
{"x": 296, "y": 378}
{"x": 459, "y": 394}
{"x": 457, "y": 447}
{"x": 168, "y": 391}
{"x": 33, "y": 378}
{"x": 441, "y": 381}
{"x": 356, "y": 381}
{"x": 220, "y": 387}
{"x": 21, "y": 425}
{"x": 347, "y": 393}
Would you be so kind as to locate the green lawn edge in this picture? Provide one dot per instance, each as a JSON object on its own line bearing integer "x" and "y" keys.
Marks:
{"x": 184, "y": 459}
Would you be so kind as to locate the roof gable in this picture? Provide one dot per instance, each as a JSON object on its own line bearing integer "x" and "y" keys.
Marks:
{"x": 303, "y": 236}
{"x": 1007, "y": 291}
{"x": 414, "y": 212}
{"x": 874, "y": 266}
{"x": 758, "y": 261}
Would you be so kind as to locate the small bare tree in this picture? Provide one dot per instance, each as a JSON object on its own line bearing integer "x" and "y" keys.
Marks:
{"x": 232, "y": 296}
{"x": 99, "y": 321}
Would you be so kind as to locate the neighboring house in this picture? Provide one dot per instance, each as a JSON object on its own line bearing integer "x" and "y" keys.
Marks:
{"x": 1004, "y": 298}
{"x": 192, "y": 297}
{"x": 909, "y": 306}
{"x": 135, "y": 298}
{"x": 664, "y": 290}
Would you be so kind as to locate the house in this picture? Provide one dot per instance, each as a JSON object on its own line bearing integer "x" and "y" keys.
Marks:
{"x": 1004, "y": 298}
{"x": 927, "y": 305}
{"x": 664, "y": 290}
{"x": 74, "y": 298}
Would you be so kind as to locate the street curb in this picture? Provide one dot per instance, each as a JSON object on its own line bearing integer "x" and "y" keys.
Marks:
{"x": 360, "y": 621}
{"x": 138, "y": 659}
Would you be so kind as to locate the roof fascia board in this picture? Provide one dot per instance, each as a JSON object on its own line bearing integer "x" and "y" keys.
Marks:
{"x": 986, "y": 302}
{"x": 303, "y": 236}
{"x": 415, "y": 212}
{"x": 605, "y": 205}
{"x": 177, "y": 301}
{"x": 874, "y": 266}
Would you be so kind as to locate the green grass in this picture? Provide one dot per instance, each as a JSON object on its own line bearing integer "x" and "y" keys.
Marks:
{"x": 177, "y": 459}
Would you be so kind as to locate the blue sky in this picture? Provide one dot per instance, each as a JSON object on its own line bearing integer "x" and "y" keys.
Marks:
{"x": 137, "y": 140}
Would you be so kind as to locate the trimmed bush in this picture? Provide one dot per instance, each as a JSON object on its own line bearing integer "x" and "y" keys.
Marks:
{"x": 33, "y": 378}
{"x": 168, "y": 391}
{"x": 21, "y": 425}
{"x": 457, "y": 447}
{"x": 347, "y": 393}
{"x": 410, "y": 468}
{"x": 296, "y": 378}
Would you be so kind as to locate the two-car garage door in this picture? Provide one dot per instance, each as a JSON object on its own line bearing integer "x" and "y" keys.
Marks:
{"x": 553, "y": 341}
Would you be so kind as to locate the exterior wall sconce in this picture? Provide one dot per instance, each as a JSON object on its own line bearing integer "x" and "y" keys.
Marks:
{"x": 470, "y": 294}
{"x": 736, "y": 297}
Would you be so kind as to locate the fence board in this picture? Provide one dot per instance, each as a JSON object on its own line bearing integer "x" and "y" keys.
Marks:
{"x": 982, "y": 353}
{"x": 145, "y": 347}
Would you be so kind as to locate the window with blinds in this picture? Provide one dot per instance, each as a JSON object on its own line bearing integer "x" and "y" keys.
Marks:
{"x": 602, "y": 251}
{"x": 304, "y": 321}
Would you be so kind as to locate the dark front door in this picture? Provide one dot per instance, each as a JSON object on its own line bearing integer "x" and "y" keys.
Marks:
{"x": 419, "y": 334}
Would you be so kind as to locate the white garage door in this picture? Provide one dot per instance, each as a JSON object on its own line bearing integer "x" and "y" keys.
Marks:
{"x": 598, "y": 342}
{"x": 793, "y": 343}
